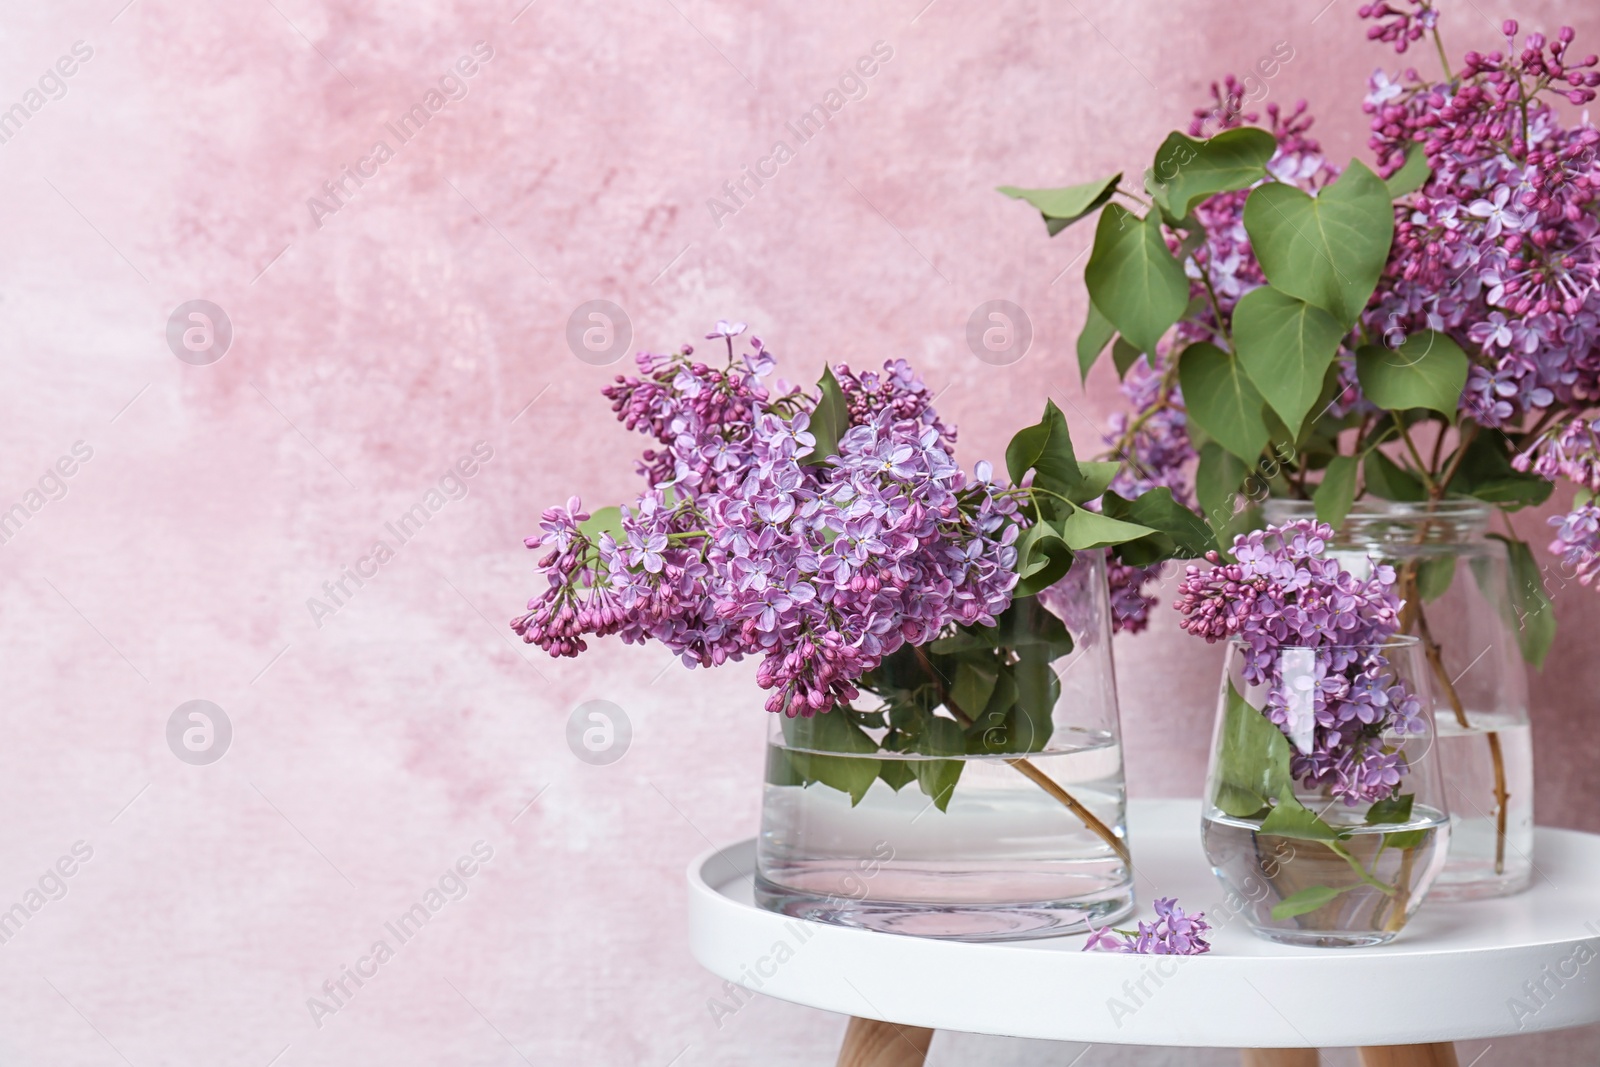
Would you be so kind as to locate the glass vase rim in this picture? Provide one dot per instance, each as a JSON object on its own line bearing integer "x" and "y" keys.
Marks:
{"x": 1447, "y": 508}
{"x": 1395, "y": 641}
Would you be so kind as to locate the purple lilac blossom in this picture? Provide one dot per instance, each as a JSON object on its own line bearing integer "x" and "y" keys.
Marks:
{"x": 737, "y": 546}
{"x": 1578, "y": 541}
{"x": 1281, "y": 594}
{"x": 1172, "y": 934}
{"x": 1500, "y": 248}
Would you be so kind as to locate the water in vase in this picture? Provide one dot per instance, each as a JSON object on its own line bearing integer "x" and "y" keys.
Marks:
{"x": 1004, "y": 858}
{"x": 1490, "y": 852}
{"x": 1364, "y": 887}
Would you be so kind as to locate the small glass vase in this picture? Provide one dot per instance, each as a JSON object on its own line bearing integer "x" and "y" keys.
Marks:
{"x": 973, "y": 793}
{"x": 1457, "y": 581}
{"x": 1323, "y": 856}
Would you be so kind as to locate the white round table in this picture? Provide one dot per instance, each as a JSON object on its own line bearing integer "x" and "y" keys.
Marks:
{"x": 1470, "y": 970}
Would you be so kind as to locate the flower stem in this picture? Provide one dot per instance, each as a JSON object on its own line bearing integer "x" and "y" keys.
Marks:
{"x": 1444, "y": 58}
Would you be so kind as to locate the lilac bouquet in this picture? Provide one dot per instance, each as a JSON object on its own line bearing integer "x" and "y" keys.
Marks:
{"x": 1443, "y": 342}
{"x": 831, "y": 533}
{"x": 1279, "y": 594}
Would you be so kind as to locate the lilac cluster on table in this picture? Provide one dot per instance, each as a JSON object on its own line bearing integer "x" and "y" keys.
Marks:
{"x": 1172, "y": 934}
{"x": 1281, "y": 593}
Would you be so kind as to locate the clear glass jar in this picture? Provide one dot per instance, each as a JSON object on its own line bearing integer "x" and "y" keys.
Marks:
{"x": 986, "y": 804}
{"x": 1321, "y": 855}
{"x": 1456, "y": 580}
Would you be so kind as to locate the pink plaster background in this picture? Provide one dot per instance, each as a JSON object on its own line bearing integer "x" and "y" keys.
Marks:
{"x": 372, "y": 352}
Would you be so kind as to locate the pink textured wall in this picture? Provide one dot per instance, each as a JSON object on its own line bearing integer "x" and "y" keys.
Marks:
{"x": 380, "y": 339}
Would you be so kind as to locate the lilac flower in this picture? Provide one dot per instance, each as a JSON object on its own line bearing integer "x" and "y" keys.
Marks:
{"x": 1578, "y": 541}
{"x": 738, "y": 546}
{"x": 1335, "y": 697}
{"x": 1174, "y": 933}
{"x": 727, "y": 329}
{"x": 1497, "y": 218}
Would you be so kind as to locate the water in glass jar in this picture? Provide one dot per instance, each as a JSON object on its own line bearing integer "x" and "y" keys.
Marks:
{"x": 1005, "y": 859}
{"x": 1265, "y": 870}
{"x": 1490, "y": 853}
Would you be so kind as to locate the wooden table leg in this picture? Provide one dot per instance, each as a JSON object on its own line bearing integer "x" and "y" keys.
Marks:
{"x": 1439, "y": 1054}
{"x": 870, "y": 1043}
{"x": 1280, "y": 1057}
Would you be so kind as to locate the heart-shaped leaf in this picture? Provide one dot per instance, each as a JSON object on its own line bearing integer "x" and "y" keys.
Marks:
{"x": 1252, "y": 762}
{"x": 1062, "y": 207}
{"x": 1218, "y": 479}
{"x": 1043, "y": 558}
{"x": 1088, "y": 529}
{"x": 1329, "y": 249}
{"x": 1387, "y": 480}
{"x": 1097, "y": 333}
{"x": 1222, "y": 400}
{"x": 1285, "y": 345}
{"x": 1530, "y": 609}
{"x": 1337, "y": 492}
{"x": 1187, "y": 171}
{"x": 1123, "y": 356}
{"x": 1180, "y": 533}
{"x": 1428, "y": 370}
{"x": 1046, "y": 449}
{"x": 1132, "y": 277}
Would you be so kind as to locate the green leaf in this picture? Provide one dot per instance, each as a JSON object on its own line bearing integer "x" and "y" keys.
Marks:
{"x": 1434, "y": 577}
{"x": 1085, "y": 529}
{"x": 781, "y": 769}
{"x": 1391, "y": 810}
{"x": 1187, "y": 171}
{"x": 1286, "y": 346}
{"x": 1252, "y": 759}
{"x": 1534, "y": 615}
{"x": 1328, "y": 249}
{"x": 1290, "y": 818}
{"x": 1132, "y": 277}
{"x": 1043, "y": 558}
{"x": 1388, "y": 481}
{"x": 1218, "y": 481}
{"x": 1307, "y": 900}
{"x": 1413, "y": 175}
{"x": 1097, "y": 475}
{"x": 1428, "y": 370}
{"x": 1404, "y": 839}
{"x": 829, "y": 420}
{"x": 973, "y": 684}
{"x": 1046, "y": 449}
{"x": 896, "y": 773}
{"x": 1180, "y": 533}
{"x": 826, "y": 732}
{"x": 1097, "y": 333}
{"x": 1032, "y": 717}
{"x": 937, "y": 777}
{"x": 1123, "y": 356}
{"x": 1062, "y": 207}
{"x": 1485, "y": 472}
{"x": 1337, "y": 492}
{"x": 1222, "y": 400}
{"x": 995, "y": 730}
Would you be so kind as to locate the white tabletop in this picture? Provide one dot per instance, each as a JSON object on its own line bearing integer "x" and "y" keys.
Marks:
{"x": 1458, "y": 971}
